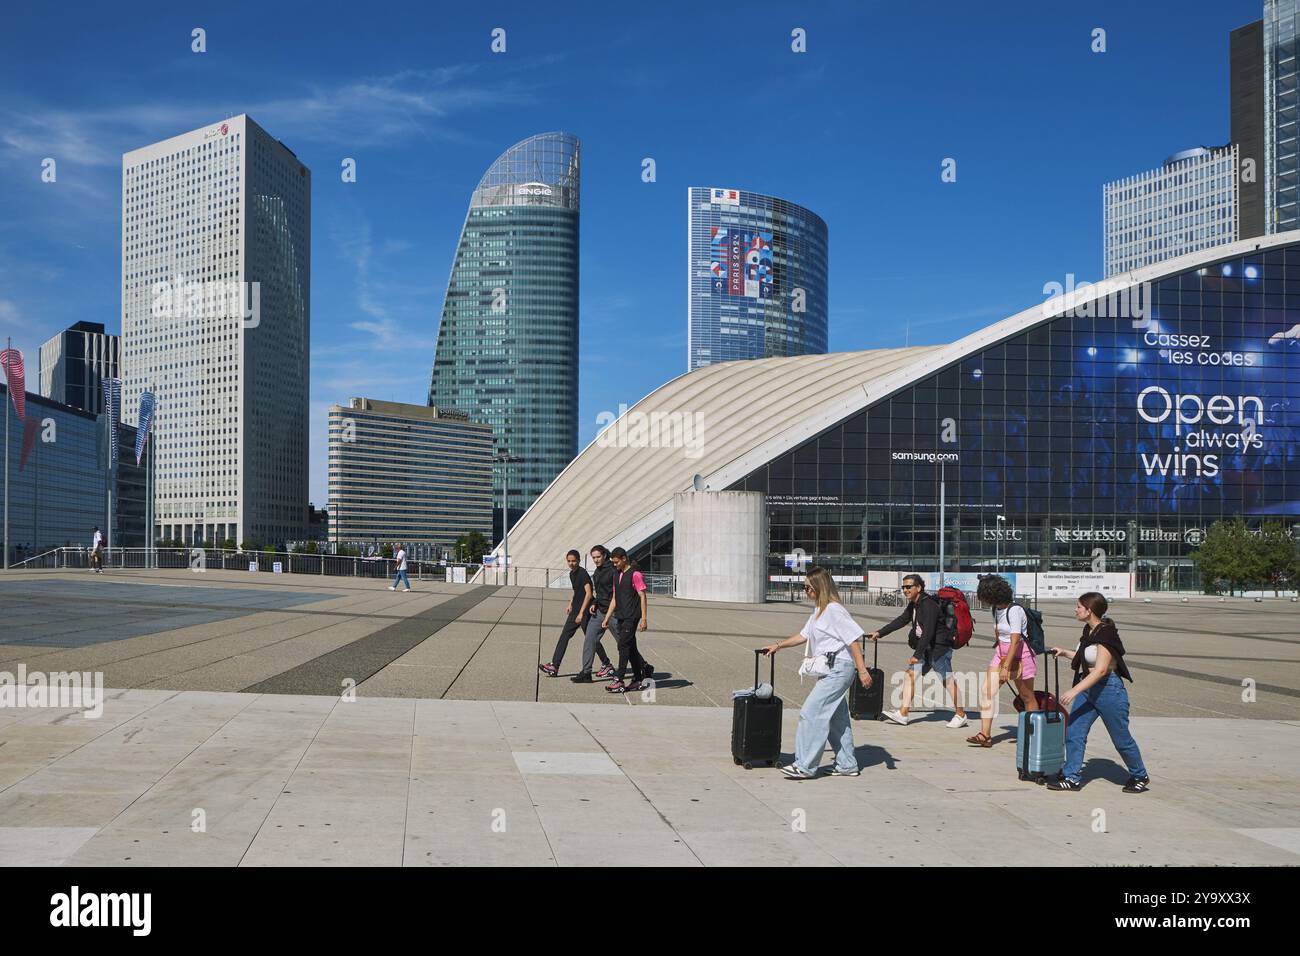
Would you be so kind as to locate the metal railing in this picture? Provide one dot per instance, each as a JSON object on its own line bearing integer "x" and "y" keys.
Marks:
{"x": 219, "y": 559}
{"x": 306, "y": 562}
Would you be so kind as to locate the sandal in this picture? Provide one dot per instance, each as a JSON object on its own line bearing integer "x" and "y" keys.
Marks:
{"x": 980, "y": 740}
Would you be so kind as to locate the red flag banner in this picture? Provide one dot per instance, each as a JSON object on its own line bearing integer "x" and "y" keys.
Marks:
{"x": 11, "y": 360}
{"x": 30, "y": 430}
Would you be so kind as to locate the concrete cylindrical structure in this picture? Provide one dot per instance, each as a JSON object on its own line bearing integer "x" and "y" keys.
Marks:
{"x": 720, "y": 546}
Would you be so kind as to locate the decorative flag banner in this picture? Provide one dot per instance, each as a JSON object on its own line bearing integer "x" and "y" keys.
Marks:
{"x": 30, "y": 430}
{"x": 144, "y": 423}
{"x": 15, "y": 379}
{"x": 113, "y": 408}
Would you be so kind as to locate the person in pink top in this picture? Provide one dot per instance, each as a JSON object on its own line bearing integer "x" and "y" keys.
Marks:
{"x": 630, "y": 614}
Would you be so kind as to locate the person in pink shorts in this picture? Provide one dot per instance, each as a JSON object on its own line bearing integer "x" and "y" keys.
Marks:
{"x": 1013, "y": 660}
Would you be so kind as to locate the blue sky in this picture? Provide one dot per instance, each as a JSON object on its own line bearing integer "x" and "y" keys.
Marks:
{"x": 856, "y": 129}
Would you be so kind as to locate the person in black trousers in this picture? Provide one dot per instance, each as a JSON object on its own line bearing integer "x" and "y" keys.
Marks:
{"x": 576, "y": 614}
{"x": 602, "y": 582}
{"x": 630, "y": 615}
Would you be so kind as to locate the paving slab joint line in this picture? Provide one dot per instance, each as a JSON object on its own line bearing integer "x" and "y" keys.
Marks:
{"x": 86, "y": 743}
{"x": 469, "y": 660}
{"x": 636, "y": 787}
{"x": 220, "y": 727}
{"x": 289, "y": 777}
{"x": 523, "y": 777}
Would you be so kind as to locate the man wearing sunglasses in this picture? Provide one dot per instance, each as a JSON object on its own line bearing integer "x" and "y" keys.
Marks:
{"x": 931, "y": 642}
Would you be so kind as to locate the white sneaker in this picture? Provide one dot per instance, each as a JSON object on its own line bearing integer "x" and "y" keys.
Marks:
{"x": 896, "y": 717}
{"x": 392, "y": 588}
{"x": 957, "y": 721}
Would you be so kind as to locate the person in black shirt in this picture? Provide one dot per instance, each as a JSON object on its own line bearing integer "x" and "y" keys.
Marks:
{"x": 576, "y": 612}
{"x": 930, "y": 638}
{"x": 602, "y": 582}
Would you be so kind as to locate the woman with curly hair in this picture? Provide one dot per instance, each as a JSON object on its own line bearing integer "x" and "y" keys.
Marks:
{"x": 1012, "y": 660}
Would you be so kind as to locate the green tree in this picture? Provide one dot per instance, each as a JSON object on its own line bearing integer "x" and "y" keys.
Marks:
{"x": 1226, "y": 556}
{"x": 1276, "y": 555}
{"x": 471, "y": 547}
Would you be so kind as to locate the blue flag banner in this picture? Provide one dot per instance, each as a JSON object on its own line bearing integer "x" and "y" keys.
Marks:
{"x": 113, "y": 408}
{"x": 144, "y": 423}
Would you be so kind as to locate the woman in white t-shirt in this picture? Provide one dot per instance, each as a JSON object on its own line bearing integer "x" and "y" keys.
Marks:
{"x": 1013, "y": 659}
{"x": 831, "y": 633}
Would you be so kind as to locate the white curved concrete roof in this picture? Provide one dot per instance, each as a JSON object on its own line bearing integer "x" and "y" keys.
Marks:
{"x": 753, "y": 410}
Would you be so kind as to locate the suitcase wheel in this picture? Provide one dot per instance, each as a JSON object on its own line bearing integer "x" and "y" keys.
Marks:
{"x": 748, "y": 765}
{"x": 737, "y": 759}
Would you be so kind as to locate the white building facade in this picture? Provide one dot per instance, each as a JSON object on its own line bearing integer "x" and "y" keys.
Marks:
{"x": 216, "y": 320}
{"x": 1188, "y": 204}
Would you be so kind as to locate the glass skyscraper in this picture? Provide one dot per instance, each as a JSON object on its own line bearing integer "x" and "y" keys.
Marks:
{"x": 756, "y": 275}
{"x": 1281, "y": 158}
{"x": 507, "y": 351}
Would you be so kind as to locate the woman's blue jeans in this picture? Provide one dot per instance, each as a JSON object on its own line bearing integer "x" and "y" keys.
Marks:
{"x": 1107, "y": 699}
{"x": 825, "y": 714}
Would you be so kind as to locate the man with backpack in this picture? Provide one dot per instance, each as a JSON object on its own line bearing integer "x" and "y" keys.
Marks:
{"x": 934, "y": 629}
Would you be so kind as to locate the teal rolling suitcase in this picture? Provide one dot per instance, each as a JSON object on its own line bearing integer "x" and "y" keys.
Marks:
{"x": 1040, "y": 737}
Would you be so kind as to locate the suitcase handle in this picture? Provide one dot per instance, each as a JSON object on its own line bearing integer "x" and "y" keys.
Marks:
{"x": 875, "y": 653}
{"x": 772, "y": 680}
{"x": 1056, "y": 669}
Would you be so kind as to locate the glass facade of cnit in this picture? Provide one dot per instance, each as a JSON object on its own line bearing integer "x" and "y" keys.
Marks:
{"x": 507, "y": 350}
{"x": 1092, "y": 435}
{"x": 407, "y": 473}
{"x": 756, "y": 277}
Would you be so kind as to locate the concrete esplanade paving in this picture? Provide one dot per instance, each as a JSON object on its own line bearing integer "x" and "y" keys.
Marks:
{"x": 228, "y": 736}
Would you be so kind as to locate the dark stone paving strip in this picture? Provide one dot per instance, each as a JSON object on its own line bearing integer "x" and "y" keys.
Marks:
{"x": 1211, "y": 678}
{"x": 366, "y": 656}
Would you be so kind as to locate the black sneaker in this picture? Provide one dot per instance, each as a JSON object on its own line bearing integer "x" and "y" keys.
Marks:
{"x": 550, "y": 670}
{"x": 648, "y": 671}
{"x": 582, "y": 677}
{"x": 1137, "y": 785}
{"x": 1063, "y": 783}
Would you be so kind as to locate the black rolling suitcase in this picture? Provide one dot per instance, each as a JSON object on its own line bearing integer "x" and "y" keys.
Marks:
{"x": 756, "y": 725}
{"x": 868, "y": 704}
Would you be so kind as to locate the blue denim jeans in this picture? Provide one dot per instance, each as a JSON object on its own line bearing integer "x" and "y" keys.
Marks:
{"x": 825, "y": 714}
{"x": 400, "y": 577}
{"x": 1107, "y": 699}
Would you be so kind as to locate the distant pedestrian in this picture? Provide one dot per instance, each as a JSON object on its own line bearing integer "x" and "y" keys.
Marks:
{"x": 97, "y": 552}
{"x": 1098, "y": 691}
{"x": 830, "y": 633}
{"x": 630, "y": 614}
{"x": 400, "y": 557}
{"x": 1013, "y": 658}
{"x": 602, "y": 596}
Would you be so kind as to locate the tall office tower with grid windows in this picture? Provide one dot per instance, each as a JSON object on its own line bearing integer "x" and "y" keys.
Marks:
{"x": 507, "y": 351}
{"x": 216, "y": 320}
{"x": 1188, "y": 204}
{"x": 756, "y": 277}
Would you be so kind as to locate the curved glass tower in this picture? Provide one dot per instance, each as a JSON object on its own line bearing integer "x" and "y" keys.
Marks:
{"x": 757, "y": 277}
{"x": 507, "y": 350}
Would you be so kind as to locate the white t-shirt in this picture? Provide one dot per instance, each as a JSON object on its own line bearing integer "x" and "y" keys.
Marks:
{"x": 833, "y": 631}
{"x": 1011, "y": 621}
{"x": 97, "y": 539}
{"x": 401, "y": 559}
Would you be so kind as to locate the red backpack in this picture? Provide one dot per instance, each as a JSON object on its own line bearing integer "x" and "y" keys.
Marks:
{"x": 956, "y": 615}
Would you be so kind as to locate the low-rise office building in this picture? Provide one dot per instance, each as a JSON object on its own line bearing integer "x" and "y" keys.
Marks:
{"x": 413, "y": 474}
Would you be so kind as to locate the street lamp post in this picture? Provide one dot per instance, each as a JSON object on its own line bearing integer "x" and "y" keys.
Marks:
{"x": 504, "y": 458}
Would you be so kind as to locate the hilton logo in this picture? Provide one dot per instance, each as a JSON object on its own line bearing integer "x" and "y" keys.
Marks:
{"x": 1194, "y": 536}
